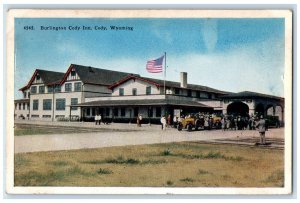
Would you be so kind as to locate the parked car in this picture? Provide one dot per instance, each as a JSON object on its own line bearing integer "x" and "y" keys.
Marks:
{"x": 272, "y": 121}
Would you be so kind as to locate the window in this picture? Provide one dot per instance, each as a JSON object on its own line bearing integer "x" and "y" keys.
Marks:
{"x": 198, "y": 94}
{"x": 35, "y": 116}
{"x": 35, "y": 104}
{"x": 74, "y": 101}
{"x": 136, "y": 111}
{"x": 116, "y": 112}
{"x": 150, "y": 112}
{"x": 16, "y": 106}
{"x": 134, "y": 91}
{"x": 121, "y": 91}
{"x": 23, "y": 106}
{"x": 209, "y": 96}
{"x": 28, "y": 94}
{"x": 123, "y": 112}
{"x": 88, "y": 111}
{"x": 60, "y": 104}
{"x": 47, "y": 104}
{"x": 50, "y": 89}
{"x": 158, "y": 111}
{"x": 28, "y": 106}
{"x": 46, "y": 116}
{"x": 41, "y": 89}
{"x": 148, "y": 90}
{"x": 177, "y": 91}
{"x": 107, "y": 111}
{"x": 93, "y": 111}
{"x": 57, "y": 88}
{"x": 68, "y": 87}
{"x": 189, "y": 93}
{"x": 24, "y": 94}
{"x": 77, "y": 86}
{"x": 73, "y": 73}
{"x": 20, "y": 106}
{"x": 33, "y": 90}
{"x": 38, "y": 77}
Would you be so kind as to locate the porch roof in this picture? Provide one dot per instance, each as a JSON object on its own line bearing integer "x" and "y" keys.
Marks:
{"x": 139, "y": 102}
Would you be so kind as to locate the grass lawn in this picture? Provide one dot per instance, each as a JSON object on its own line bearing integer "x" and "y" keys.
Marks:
{"x": 187, "y": 164}
{"x": 29, "y": 129}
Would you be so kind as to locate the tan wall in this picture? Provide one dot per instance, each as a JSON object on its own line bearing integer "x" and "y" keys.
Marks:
{"x": 139, "y": 85}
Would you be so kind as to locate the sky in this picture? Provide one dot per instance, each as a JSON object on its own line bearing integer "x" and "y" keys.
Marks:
{"x": 227, "y": 54}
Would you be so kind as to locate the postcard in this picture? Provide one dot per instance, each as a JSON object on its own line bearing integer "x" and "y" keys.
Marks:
{"x": 149, "y": 101}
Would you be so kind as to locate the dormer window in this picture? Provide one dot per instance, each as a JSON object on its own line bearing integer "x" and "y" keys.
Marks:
{"x": 38, "y": 77}
{"x": 134, "y": 91}
{"x": 73, "y": 73}
{"x": 121, "y": 91}
{"x": 148, "y": 90}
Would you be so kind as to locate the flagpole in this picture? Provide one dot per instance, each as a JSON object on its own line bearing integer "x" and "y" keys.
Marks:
{"x": 165, "y": 73}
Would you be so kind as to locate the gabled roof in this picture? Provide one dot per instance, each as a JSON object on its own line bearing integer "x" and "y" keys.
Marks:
{"x": 249, "y": 95}
{"x": 48, "y": 77}
{"x": 91, "y": 75}
{"x": 160, "y": 83}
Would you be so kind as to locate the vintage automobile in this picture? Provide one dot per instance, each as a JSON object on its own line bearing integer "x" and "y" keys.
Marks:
{"x": 272, "y": 121}
{"x": 190, "y": 123}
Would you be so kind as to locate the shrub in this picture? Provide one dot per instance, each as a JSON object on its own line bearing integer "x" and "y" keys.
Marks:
{"x": 167, "y": 152}
{"x": 104, "y": 171}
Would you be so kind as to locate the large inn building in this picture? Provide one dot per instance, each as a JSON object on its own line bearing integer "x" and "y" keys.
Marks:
{"x": 82, "y": 92}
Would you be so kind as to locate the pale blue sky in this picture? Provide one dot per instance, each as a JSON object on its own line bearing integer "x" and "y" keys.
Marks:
{"x": 227, "y": 54}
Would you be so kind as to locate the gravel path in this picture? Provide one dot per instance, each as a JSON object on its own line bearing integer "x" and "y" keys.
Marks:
{"x": 147, "y": 135}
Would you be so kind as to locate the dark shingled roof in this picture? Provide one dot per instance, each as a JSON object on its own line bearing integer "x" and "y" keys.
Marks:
{"x": 93, "y": 75}
{"x": 249, "y": 95}
{"x": 50, "y": 76}
{"x": 145, "y": 102}
{"x": 189, "y": 86}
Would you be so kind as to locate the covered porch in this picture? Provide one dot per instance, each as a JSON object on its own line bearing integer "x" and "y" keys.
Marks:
{"x": 126, "y": 111}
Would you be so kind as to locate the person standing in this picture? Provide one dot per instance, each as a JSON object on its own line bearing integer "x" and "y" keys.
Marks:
{"x": 163, "y": 122}
{"x": 96, "y": 119}
{"x": 175, "y": 121}
{"x": 261, "y": 126}
{"x": 99, "y": 119}
{"x": 169, "y": 120}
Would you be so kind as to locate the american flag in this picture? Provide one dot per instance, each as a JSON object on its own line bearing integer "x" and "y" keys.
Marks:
{"x": 155, "y": 66}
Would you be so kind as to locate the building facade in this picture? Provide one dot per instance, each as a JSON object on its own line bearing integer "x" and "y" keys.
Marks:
{"x": 82, "y": 92}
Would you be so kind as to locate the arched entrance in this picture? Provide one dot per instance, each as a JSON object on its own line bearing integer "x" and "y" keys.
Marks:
{"x": 259, "y": 109}
{"x": 238, "y": 108}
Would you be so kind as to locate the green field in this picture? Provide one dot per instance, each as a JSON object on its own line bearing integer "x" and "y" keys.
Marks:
{"x": 30, "y": 129}
{"x": 187, "y": 164}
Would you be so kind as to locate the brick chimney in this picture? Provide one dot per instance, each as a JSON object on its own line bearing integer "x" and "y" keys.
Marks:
{"x": 183, "y": 79}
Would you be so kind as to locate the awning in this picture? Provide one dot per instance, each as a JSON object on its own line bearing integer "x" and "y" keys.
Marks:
{"x": 139, "y": 102}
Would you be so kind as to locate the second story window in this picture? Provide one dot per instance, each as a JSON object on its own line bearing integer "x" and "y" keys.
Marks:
{"x": 134, "y": 91}
{"x": 148, "y": 90}
{"x": 24, "y": 106}
{"x": 121, "y": 91}
{"x": 189, "y": 93}
{"x": 177, "y": 92}
{"x": 68, "y": 87}
{"x": 35, "y": 104}
{"x": 57, "y": 88}
{"x": 50, "y": 89}
{"x": 20, "y": 106}
{"x": 33, "y": 89}
{"x": 24, "y": 94}
{"x": 41, "y": 89}
{"x": 77, "y": 86}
